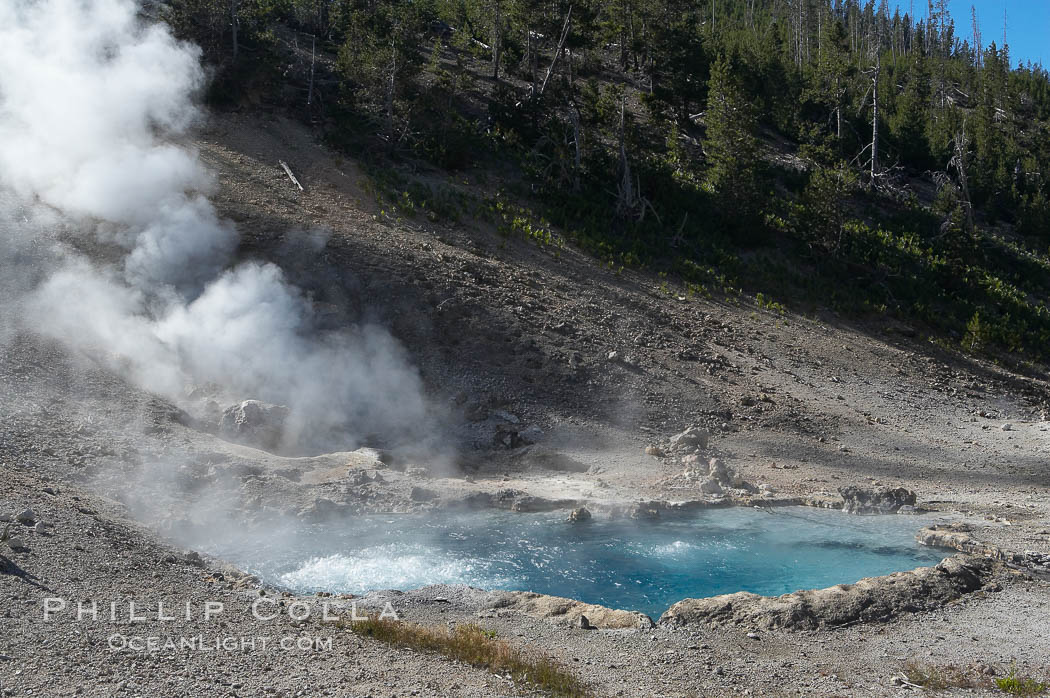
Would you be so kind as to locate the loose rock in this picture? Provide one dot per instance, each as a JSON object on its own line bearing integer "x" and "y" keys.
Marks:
{"x": 710, "y": 486}
{"x": 17, "y": 544}
{"x": 860, "y": 500}
{"x": 580, "y": 514}
{"x": 422, "y": 494}
{"x": 254, "y": 423}
{"x": 691, "y": 438}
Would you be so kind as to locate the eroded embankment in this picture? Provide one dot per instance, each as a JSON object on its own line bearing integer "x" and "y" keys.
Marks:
{"x": 872, "y": 599}
{"x": 956, "y": 537}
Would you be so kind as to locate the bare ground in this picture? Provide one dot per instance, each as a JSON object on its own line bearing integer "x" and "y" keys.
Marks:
{"x": 804, "y": 404}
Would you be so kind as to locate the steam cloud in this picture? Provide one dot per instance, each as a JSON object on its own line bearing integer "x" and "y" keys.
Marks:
{"x": 92, "y": 103}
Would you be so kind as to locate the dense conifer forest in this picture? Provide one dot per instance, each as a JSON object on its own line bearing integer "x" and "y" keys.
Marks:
{"x": 808, "y": 154}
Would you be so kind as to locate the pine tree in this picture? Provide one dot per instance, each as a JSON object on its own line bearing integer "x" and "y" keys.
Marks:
{"x": 730, "y": 145}
{"x": 909, "y": 118}
{"x": 826, "y": 203}
{"x": 382, "y": 56}
{"x": 830, "y": 80}
{"x": 990, "y": 178}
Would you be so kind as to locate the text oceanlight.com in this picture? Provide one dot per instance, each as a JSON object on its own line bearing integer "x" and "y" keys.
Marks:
{"x": 118, "y": 642}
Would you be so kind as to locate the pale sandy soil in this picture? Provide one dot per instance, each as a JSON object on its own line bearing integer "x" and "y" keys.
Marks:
{"x": 804, "y": 404}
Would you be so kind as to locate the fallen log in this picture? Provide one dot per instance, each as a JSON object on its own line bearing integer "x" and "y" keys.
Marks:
{"x": 288, "y": 171}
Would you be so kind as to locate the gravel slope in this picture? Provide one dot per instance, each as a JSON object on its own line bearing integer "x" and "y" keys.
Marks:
{"x": 804, "y": 404}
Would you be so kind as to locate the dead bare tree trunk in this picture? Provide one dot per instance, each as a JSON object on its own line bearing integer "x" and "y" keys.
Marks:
{"x": 288, "y": 171}
{"x": 313, "y": 59}
{"x": 799, "y": 34}
{"x": 390, "y": 88}
{"x": 530, "y": 58}
{"x": 976, "y": 37}
{"x": 875, "y": 117}
{"x": 577, "y": 138}
{"x": 497, "y": 38}
{"x": 959, "y": 160}
{"x": 838, "y": 109}
{"x": 623, "y": 47}
{"x": 625, "y": 196}
{"x": 561, "y": 48}
{"x": 234, "y": 4}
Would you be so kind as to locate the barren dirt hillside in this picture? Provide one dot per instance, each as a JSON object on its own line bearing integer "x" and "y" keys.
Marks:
{"x": 599, "y": 358}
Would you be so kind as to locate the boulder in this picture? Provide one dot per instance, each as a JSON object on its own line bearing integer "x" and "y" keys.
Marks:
{"x": 710, "y": 486}
{"x": 422, "y": 494}
{"x": 646, "y": 510}
{"x": 26, "y": 517}
{"x": 17, "y": 544}
{"x": 694, "y": 462}
{"x": 1038, "y": 561}
{"x": 861, "y": 500}
{"x": 507, "y": 437}
{"x": 531, "y": 435}
{"x": 690, "y": 439}
{"x": 718, "y": 470}
{"x": 254, "y": 423}
{"x": 364, "y": 477}
{"x": 580, "y": 514}
{"x": 726, "y": 476}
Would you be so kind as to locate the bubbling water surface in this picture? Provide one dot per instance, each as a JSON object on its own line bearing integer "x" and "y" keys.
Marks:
{"x": 638, "y": 565}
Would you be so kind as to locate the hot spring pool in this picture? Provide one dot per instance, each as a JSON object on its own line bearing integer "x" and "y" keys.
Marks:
{"x": 638, "y": 565}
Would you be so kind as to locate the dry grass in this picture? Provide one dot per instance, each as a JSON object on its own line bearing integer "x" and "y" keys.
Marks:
{"x": 478, "y": 647}
{"x": 941, "y": 677}
{"x": 936, "y": 677}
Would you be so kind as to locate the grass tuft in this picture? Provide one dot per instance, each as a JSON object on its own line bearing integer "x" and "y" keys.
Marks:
{"x": 935, "y": 677}
{"x": 1020, "y": 685}
{"x": 478, "y": 647}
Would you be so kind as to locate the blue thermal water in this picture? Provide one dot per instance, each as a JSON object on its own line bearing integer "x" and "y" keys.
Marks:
{"x": 644, "y": 566}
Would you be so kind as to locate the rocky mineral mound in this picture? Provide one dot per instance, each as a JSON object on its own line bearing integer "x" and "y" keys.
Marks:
{"x": 872, "y": 599}
{"x": 861, "y": 500}
{"x": 568, "y": 611}
{"x": 254, "y": 423}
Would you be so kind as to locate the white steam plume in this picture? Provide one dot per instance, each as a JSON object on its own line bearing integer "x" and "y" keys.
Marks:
{"x": 92, "y": 99}
{"x": 86, "y": 88}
